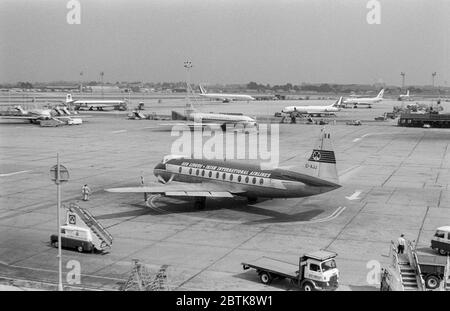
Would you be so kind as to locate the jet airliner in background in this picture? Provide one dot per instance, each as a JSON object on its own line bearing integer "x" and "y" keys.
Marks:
{"x": 368, "y": 101}
{"x": 313, "y": 110}
{"x": 98, "y": 104}
{"x": 405, "y": 96}
{"x": 181, "y": 176}
{"x": 222, "y": 120}
{"x": 224, "y": 97}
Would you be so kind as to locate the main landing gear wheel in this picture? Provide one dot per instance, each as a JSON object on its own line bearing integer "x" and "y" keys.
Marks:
{"x": 200, "y": 203}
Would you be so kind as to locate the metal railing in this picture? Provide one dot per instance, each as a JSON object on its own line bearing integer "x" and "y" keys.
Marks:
{"x": 414, "y": 262}
{"x": 394, "y": 256}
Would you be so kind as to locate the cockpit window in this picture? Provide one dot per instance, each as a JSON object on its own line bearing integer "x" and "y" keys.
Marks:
{"x": 328, "y": 265}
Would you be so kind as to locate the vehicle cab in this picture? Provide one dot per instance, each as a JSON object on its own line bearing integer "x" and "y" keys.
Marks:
{"x": 319, "y": 270}
{"x": 74, "y": 237}
{"x": 441, "y": 240}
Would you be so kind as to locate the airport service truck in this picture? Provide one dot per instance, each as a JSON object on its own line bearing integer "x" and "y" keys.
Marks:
{"x": 314, "y": 271}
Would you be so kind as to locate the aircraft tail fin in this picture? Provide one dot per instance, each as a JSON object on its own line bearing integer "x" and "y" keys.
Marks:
{"x": 380, "y": 95}
{"x": 338, "y": 103}
{"x": 68, "y": 98}
{"x": 202, "y": 90}
{"x": 322, "y": 161}
{"x": 407, "y": 93}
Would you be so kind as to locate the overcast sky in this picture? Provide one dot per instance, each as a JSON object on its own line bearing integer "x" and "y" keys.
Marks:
{"x": 232, "y": 41}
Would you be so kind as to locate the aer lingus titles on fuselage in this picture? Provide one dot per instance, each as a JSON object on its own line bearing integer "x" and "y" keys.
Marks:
{"x": 201, "y": 178}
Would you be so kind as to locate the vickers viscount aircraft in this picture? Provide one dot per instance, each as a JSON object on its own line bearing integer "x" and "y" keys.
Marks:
{"x": 179, "y": 176}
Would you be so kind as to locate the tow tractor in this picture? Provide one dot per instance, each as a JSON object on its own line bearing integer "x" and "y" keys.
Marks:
{"x": 314, "y": 271}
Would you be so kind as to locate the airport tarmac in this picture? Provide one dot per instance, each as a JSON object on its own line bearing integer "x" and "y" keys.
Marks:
{"x": 395, "y": 180}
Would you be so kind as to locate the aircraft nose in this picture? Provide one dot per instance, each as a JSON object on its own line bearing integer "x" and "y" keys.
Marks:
{"x": 160, "y": 167}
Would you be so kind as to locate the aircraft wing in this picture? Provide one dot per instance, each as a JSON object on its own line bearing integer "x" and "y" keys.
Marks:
{"x": 205, "y": 189}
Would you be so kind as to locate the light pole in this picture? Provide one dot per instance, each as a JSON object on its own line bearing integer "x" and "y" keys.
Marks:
{"x": 81, "y": 84}
{"x": 433, "y": 75}
{"x": 59, "y": 174}
{"x": 188, "y": 65}
{"x": 101, "y": 75}
{"x": 403, "y": 80}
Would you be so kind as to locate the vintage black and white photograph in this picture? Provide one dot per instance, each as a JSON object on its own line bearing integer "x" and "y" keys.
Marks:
{"x": 255, "y": 146}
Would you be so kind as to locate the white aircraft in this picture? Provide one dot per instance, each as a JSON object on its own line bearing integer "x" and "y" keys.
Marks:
{"x": 224, "y": 97}
{"x": 405, "y": 96}
{"x": 180, "y": 176}
{"x": 369, "y": 101}
{"x": 313, "y": 110}
{"x": 38, "y": 115}
{"x": 98, "y": 104}
{"x": 32, "y": 115}
{"x": 222, "y": 120}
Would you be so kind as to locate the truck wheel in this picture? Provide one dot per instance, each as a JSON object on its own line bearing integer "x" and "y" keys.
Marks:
{"x": 307, "y": 287}
{"x": 265, "y": 278}
{"x": 442, "y": 252}
{"x": 80, "y": 249}
{"x": 55, "y": 244}
{"x": 432, "y": 282}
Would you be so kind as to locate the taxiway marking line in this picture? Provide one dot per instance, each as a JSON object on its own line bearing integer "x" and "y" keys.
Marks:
{"x": 14, "y": 173}
{"x": 119, "y": 131}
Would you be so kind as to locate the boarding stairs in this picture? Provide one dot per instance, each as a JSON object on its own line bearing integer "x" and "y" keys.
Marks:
{"x": 408, "y": 277}
{"x": 78, "y": 216}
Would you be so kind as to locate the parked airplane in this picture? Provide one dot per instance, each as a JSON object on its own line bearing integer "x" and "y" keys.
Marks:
{"x": 313, "y": 110}
{"x": 98, "y": 104}
{"x": 369, "y": 101}
{"x": 224, "y": 97}
{"x": 198, "y": 178}
{"x": 56, "y": 113}
{"x": 220, "y": 119}
{"x": 32, "y": 115}
{"x": 405, "y": 96}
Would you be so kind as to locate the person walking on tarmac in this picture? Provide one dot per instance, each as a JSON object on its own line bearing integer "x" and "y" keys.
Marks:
{"x": 401, "y": 244}
{"x": 85, "y": 191}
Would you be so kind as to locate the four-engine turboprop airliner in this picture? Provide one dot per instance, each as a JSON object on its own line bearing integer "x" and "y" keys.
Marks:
{"x": 224, "y": 97}
{"x": 198, "y": 178}
{"x": 368, "y": 101}
{"x": 98, "y": 104}
{"x": 313, "y": 110}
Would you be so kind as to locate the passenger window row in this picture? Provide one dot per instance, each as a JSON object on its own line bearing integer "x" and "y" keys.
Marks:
{"x": 217, "y": 175}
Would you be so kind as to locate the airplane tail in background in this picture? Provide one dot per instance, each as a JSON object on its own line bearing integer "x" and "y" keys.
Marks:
{"x": 407, "y": 93}
{"x": 322, "y": 162}
{"x": 202, "y": 90}
{"x": 380, "y": 95}
{"x": 338, "y": 103}
{"x": 69, "y": 98}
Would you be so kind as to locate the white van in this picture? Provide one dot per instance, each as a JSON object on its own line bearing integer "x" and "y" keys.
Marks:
{"x": 74, "y": 237}
{"x": 441, "y": 240}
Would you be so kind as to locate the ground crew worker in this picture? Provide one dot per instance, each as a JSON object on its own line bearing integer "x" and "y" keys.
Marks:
{"x": 85, "y": 191}
{"x": 401, "y": 244}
